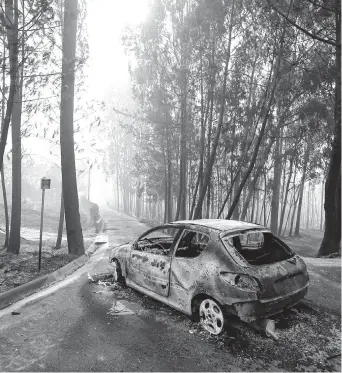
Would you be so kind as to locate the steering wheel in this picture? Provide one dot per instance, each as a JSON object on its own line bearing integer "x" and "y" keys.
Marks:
{"x": 156, "y": 243}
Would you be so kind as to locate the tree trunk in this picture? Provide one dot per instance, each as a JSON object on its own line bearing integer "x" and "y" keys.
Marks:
{"x": 60, "y": 225}
{"x": 263, "y": 126}
{"x": 295, "y": 204}
{"x": 211, "y": 160}
{"x": 257, "y": 174}
{"x": 11, "y": 25}
{"x": 276, "y": 184}
{"x": 199, "y": 182}
{"x": 308, "y": 207}
{"x": 322, "y": 206}
{"x": 301, "y": 191}
{"x": 3, "y": 184}
{"x": 332, "y": 205}
{"x": 282, "y": 213}
{"x": 70, "y": 194}
{"x": 14, "y": 237}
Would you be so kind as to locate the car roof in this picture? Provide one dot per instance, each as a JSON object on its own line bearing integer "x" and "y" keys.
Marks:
{"x": 220, "y": 224}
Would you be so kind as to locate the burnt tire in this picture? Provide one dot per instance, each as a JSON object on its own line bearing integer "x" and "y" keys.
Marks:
{"x": 118, "y": 277}
{"x": 211, "y": 316}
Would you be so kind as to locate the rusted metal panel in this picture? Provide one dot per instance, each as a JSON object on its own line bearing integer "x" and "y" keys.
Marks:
{"x": 150, "y": 271}
{"x": 219, "y": 272}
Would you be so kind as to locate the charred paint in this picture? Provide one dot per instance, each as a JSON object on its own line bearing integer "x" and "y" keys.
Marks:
{"x": 144, "y": 258}
{"x": 159, "y": 264}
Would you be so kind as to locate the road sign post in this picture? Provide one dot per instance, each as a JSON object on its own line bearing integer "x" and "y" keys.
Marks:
{"x": 44, "y": 184}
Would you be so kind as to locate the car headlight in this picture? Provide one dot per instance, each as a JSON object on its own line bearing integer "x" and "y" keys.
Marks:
{"x": 242, "y": 281}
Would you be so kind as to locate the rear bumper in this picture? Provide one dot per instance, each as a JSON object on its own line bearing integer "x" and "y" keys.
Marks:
{"x": 250, "y": 311}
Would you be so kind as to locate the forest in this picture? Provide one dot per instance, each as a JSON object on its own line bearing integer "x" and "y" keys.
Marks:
{"x": 239, "y": 116}
{"x": 233, "y": 111}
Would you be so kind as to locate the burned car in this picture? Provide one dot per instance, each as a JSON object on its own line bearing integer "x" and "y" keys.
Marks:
{"x": 211, "y": 267}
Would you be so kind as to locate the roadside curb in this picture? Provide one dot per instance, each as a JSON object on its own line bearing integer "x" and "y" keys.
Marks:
{"x": 24, "y": 290}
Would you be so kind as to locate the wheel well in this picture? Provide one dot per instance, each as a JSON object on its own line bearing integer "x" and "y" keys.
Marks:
{"x": 196, "y": 300}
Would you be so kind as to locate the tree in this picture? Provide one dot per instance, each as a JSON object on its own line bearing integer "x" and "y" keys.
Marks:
{"x": 69, "y": 182}
{"x": 324, "y": 11}
{"x": 14, "y": 238}
{"x": 9, "y": 20}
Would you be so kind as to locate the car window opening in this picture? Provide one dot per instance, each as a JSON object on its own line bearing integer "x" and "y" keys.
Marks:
{"x": 259, "y": 248}
{"x": 191, "y": 244}
{"x": 158, "y": 242}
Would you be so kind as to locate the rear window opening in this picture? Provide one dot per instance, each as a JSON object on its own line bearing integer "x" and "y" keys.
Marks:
{"x": 259, "y": 248}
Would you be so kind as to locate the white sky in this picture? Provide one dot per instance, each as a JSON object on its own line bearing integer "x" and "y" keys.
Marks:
{"x": 108, "y": 64}
{"x": 107, "y": 72}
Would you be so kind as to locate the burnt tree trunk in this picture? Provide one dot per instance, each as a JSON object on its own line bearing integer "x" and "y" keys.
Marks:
{"x": 332, "y": 204}
{"x": 301, "y": 190}
{"x": 276, "y": 183}
{"x": 69, "y": 182}
{"x": 60, "y": 225}
{"x": 14, "y": 237}
{"x": 282, "y": 213}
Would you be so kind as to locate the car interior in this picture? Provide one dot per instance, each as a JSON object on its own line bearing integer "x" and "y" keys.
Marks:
{"x": 261, "y": 248}
{"x": 191, "y": 244}
{"x": 155, "y": 245}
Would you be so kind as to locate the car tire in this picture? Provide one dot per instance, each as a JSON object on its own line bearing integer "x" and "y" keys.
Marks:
{"x": 118, "y": 277}
{"x": 211, "y": 316}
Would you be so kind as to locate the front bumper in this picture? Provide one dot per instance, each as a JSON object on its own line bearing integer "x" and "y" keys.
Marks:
{"x": 250, "y": 311}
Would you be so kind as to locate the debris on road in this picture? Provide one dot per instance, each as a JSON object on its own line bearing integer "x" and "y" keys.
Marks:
{"x": 119, "y": 309}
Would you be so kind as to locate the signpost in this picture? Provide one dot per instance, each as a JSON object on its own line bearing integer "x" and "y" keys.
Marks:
{"x": 44, "y": 184}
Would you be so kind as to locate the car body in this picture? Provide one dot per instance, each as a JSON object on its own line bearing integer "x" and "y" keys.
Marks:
{"x": 241, "y": 266}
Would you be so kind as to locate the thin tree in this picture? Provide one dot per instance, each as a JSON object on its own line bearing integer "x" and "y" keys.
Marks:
{"x": 69, "y": 182}
{"x": 9, "y": 20}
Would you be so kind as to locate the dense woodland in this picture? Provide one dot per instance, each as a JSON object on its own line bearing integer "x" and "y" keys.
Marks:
{"x": 239, "y": 115}
{"x": 234, "y": 112}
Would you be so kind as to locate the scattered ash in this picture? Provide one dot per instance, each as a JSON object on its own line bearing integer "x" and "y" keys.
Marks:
{"x": 309, "y": 340}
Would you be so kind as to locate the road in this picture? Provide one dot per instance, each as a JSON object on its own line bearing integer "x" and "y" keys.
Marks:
{"x": 69, "y": 327}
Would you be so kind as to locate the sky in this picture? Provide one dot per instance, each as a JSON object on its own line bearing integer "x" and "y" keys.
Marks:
{"x": 108, "y": 65}
{"x": 106, "y": 71}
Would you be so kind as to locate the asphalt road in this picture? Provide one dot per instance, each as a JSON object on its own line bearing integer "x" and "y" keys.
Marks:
{"x": 70, "y": 327}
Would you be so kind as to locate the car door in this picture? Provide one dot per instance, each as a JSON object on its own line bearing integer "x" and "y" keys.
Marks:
{"x": 187, "y": 263}
{"x": 150, "y": 260}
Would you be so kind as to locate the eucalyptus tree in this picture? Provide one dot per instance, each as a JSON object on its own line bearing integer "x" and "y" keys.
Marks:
{"x": 69, "y": 183}
{"x": 321, "y": 21}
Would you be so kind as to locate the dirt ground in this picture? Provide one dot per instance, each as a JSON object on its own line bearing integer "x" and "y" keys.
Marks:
{"x": 308, "y": 242}
{"x": 16, "y": 270}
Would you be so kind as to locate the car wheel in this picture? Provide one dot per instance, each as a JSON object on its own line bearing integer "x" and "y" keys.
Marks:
{"x": 211, "y": 316}
{"x": 118, "y": 277}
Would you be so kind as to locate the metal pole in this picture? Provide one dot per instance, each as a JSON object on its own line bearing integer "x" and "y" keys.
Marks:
{"x": 41, "y": 230}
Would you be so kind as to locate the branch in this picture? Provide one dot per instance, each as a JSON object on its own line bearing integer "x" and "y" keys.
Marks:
{"x": 306, "y": 32}
{"x": 314, "y": 3}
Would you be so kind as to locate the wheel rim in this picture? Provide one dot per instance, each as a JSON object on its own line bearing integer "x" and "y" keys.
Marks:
{"x": 211, "y": 316}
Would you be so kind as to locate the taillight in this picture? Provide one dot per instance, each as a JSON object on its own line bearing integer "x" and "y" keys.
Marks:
{"x": 242, "y": 281}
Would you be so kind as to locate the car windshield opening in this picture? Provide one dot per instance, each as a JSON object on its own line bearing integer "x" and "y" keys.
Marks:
{"x": 259, "y": 248}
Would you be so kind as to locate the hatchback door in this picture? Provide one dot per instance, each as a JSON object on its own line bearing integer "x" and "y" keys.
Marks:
{"x": 279, "y": 271}
{"x": 282, "y": 279}
{"x": 149, "y": 264}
